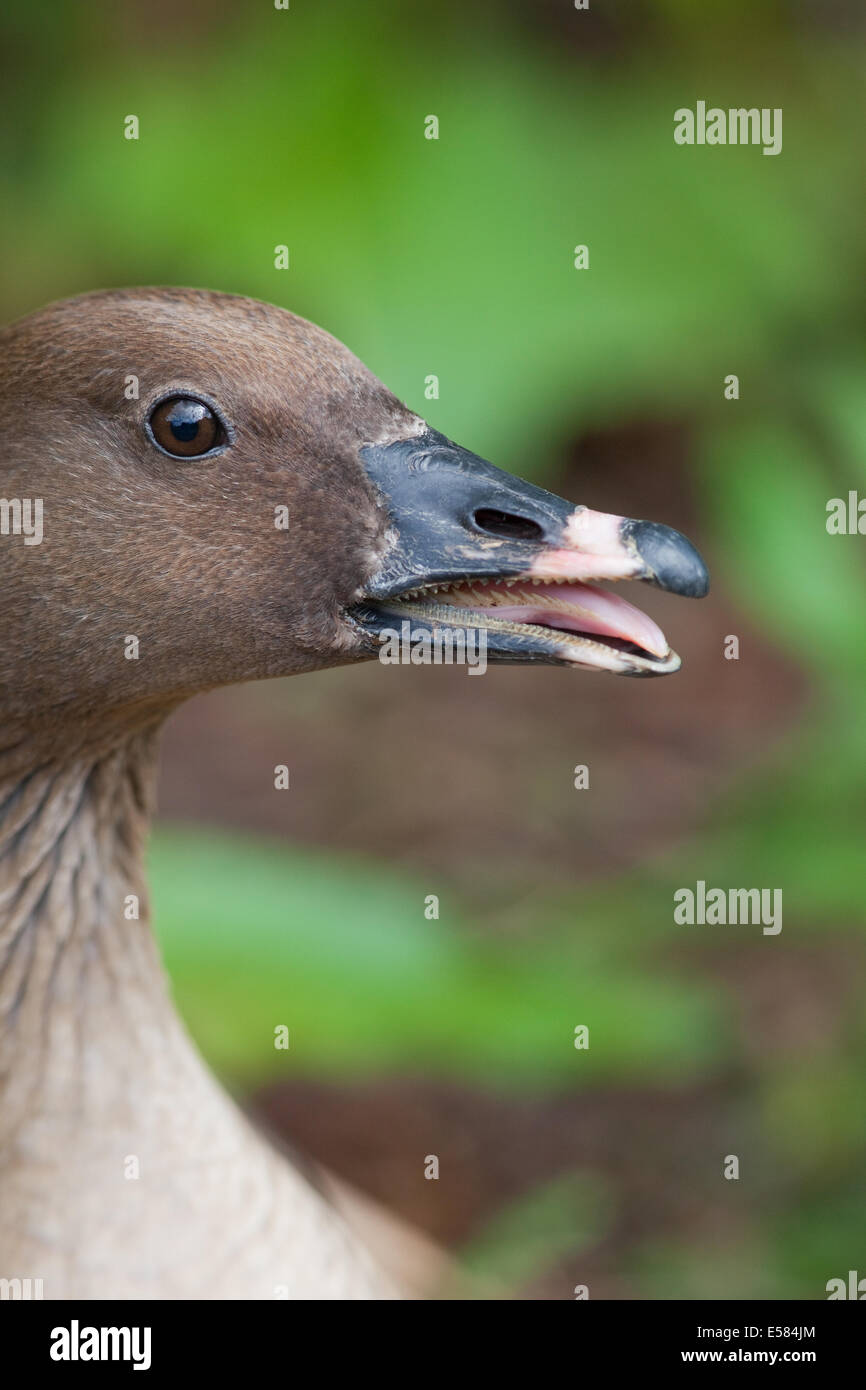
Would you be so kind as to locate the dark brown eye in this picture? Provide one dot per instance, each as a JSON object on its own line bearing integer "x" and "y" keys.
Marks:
{"x": 185, "y": 427}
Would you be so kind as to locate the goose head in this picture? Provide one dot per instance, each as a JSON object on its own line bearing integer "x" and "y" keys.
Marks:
{"x": 227, "y": 493}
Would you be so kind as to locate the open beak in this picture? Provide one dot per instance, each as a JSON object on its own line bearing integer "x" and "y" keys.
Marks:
{"x": 472, "y": 547}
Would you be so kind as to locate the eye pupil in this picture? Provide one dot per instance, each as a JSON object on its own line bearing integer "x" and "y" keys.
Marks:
{"x": 185, "y": 427}
{"x": 184, "y": 430}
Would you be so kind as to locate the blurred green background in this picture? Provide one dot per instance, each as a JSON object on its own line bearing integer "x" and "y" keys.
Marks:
{"x": 454, "y": 257}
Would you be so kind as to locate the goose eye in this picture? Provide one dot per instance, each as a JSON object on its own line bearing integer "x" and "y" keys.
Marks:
{"x": 185, "y": 427}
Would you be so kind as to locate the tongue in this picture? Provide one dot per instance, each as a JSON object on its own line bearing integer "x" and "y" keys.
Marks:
{"x": 571, "y": 607}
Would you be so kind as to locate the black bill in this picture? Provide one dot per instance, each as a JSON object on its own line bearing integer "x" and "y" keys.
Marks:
{"x": 475, "y": 548}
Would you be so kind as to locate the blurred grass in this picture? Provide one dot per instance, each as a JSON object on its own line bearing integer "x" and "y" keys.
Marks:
{"x": 340, "y": 952}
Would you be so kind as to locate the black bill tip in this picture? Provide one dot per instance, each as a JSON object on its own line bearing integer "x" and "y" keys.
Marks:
{"x": 671, "y": 561}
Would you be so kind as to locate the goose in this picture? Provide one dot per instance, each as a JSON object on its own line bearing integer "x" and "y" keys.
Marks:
{"x": 167, "y": 435}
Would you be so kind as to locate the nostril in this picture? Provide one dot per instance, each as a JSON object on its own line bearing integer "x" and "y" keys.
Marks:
{"x": 507, "y": 525}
